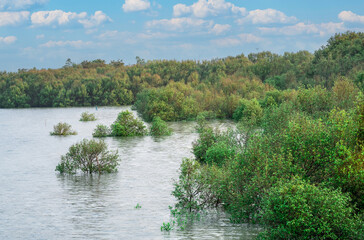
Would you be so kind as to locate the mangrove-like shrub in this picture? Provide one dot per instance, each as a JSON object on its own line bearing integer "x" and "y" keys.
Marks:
{"x": 300, "y": 210}
{"x": 63, "y": 129}
{"x": 101, "y": 131}
{"x": 126, "y": 125}
{"x": 89, "y": 156}
{"x": 159, "y": 127}
{"x": 86, "y": 116}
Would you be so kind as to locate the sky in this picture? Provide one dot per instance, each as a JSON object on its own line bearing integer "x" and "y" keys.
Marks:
{"x": 45, "y": 33}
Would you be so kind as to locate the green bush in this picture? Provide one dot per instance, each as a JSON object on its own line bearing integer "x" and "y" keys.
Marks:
{"x": 86, "y": 116}
{"x": 248, "y": 111}
{"x": 127, "y": 125}
{"x": 219, "y": 153}
{"x": 299, "y": 210}
{"x": 203, "y": 143}
{"x": 89, "y": 156}
{"x": 101, "y": 131}
{"x": 63, "y": 129}
{"x": 159, "y": 128}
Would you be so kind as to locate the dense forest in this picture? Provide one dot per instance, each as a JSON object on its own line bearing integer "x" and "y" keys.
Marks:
{"x": 294, "y": 163}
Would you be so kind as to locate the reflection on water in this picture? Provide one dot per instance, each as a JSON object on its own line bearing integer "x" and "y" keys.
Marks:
{"x": 38, "y": 203}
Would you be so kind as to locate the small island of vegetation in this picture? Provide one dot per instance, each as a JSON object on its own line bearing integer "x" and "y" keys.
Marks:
{"x": 86, "y": 117}
{"x": 88, "y": 156}
{"x": 63, "y": 129}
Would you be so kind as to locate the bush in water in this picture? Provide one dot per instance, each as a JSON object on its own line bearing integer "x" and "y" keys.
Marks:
{"x": 63, "y": 129}
{"x": 89, "y": 156}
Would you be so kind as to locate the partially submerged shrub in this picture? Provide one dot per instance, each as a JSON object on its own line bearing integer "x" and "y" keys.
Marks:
{"x": 101, "y": 131}
{"x": 63, "y": 129}
{"x": 89, "y": 156}
{"x": 159, "y": 127}
{"x": 86, "y": 116}
{"x": 127, "y": 125}
{"x": 300, "y": 210}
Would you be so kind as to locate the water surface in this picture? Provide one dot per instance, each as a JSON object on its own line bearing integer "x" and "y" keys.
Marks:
{"x": 38, "y": 203}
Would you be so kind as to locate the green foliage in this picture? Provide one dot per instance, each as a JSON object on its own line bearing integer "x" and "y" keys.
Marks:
{"x": 126, "y": 125}
{"x": 138, "y": 206}
{"x": 159, "y": 128}
{"x": 63, "y": 129}
{"x": 219, "y": 153}
{"x": 86, "y": 116}
{"x": 167, "y": 226}
{"x": 248, "y": 111}
{"x": 299, "y": 210}
{"x": 101, "y": 131}
{"x": 203, "y": 143}
{"x": 89, "y": 156}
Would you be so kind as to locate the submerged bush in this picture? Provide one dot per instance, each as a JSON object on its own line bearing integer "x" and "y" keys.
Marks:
{"x": 101, "y": 131}
{"x": 89, "y": 156}
{"x": 63, "y": 129}
{"x": 86, "y": 116}
{"x": 126, "y": 125}
{"x": 299, "y": 210}
{"x": 159, "y": 128}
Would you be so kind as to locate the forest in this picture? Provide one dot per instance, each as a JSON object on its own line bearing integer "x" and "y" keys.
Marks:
{"x": 295, "y": 161}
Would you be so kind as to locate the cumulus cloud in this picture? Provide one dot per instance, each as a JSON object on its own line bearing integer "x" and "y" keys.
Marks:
{"x": 8, "y": 39}
{"x": 349, "y": 16}
{"x": 19, "y": 4}
{"x": 204, "y": 8}
{"x": 265, "y": 16}
{"x": 135, "y": 5}
{"x": 95, "y": 20}
{"x": 301, "y": 28}
{"x": 238, "y": 40}
{"x": 178, "y": 24}
{"x": 74, "y": 44}
{"x": 13, "y": 18}
{"x": 220, "y": 28}
{"x": 59, "y": 17}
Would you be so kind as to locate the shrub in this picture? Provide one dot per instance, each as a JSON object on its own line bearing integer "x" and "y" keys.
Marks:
{"x": 89, "y": 156}
{"x": 203, "y": 143}
{"x": 299, "y": 210}
{"x": 101, "y": 131}
{"x": 159, "y": 128}
{"x": 248, "y": 111}
{"x": 63, "y": 129}
{"x": 219, "y": 152}
{"x": 86, "y": 116}
{"x": 127, "y": 125}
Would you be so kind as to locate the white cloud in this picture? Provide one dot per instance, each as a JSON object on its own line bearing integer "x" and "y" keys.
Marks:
{"x": 75, "y": 44}
{"x": 204, "y": 8}
{"x": 59, "y": 17}
{"x": 238, "y": 40}
{"x": 267, "y": 16}
{"x": 179, "y": 24}
{"x": 220, "y": 28}
{"x": 97, "y": 19}
{"x": 19, "y": 4}
{"x": 349, "y": 16}
{"x": 8, "y": 39}
{"x": 135, "y": 5}
{"x": 301, "y": 28}
{"x": 12, "y": 18}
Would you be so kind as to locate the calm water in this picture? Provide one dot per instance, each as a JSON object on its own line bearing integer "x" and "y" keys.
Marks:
{"x": 38, "y": 203}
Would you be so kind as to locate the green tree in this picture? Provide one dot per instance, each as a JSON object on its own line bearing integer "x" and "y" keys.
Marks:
{"x": 89, "y": 156}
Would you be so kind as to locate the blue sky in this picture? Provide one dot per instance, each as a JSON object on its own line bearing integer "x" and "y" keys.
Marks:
{"x": 44, "y": 33}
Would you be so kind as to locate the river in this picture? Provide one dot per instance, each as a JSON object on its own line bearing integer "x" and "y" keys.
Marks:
{"x": 38, "y": 203}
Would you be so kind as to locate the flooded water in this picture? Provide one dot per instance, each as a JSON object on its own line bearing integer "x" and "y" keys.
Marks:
{"x": 38, "y": 203}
